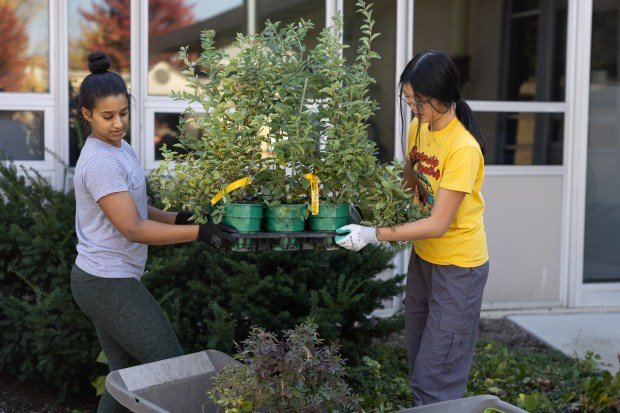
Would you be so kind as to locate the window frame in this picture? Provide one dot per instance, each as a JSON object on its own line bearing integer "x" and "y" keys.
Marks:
{"x": 46, "y": 102}
{"x": 19, "y": 103}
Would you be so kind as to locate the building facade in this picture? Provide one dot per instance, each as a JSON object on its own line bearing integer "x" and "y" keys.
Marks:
{"x": 542, "y": 77}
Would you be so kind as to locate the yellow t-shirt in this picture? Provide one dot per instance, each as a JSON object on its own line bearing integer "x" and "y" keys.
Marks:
{"x": 450, "y": 158}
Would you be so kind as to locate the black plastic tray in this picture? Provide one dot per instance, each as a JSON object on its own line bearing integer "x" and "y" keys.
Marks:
{"x": 286, "y": 241}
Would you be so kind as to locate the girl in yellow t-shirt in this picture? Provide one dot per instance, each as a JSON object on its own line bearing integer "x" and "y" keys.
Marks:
{"x": 449, "y": 265}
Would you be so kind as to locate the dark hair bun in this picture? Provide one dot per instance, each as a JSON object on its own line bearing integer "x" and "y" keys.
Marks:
{"x": 98, "y": 62}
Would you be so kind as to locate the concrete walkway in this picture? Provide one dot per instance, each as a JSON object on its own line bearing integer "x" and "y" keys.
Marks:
{"x": 576, "y": 332}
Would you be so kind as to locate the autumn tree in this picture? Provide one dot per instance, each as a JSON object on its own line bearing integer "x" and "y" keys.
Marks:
{"x": 109, "y": 26}
{"x": 14, "y": 41}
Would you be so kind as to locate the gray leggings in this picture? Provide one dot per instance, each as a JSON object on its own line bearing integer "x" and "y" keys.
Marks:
{"x": 131, "y": 326}
{"x": 442, "y": 312}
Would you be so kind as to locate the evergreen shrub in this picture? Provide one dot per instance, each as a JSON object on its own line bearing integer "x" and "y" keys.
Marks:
{"x": 209, "y": 295}
{"x": 213, "y": 299}
{"x": 43, "y": 335}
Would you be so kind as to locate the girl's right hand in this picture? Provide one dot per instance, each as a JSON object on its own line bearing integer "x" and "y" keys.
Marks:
{"x": 219, "y": 236}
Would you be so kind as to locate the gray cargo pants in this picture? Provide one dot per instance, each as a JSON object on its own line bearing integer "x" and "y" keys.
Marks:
{"x": 442, "y": 312}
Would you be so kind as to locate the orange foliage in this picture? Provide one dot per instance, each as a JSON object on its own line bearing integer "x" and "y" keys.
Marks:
{"x": 110, "y": 30}
{"x": 14, "y": 40}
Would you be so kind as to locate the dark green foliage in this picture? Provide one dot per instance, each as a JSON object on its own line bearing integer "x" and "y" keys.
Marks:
{"x": 381, "y": 377}
{"x": 213, "y": 299}
{"x": 43, "y": 335}
{"x": 271, "y": 290}
{"x": 544, "y": 382}
{"x": 36, "y": 239}
{"x": 48, "y": 340}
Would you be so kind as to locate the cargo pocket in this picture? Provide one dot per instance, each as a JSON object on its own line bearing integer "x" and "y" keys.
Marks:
{"x": 461, "y": 330}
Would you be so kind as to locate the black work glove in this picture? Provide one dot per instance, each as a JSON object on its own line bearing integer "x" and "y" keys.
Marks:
{"x": 218, "y": 235}
{"x": 183, "y": 217}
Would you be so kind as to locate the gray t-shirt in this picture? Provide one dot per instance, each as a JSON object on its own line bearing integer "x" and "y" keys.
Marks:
{"x": 103, "y": 169}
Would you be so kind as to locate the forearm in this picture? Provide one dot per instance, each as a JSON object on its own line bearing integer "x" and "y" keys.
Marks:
{"x": 411, "y": 231}
{"x": 158, "y": 215}
{"x": 156, "y": 233}
{"x": 434, "y": 226}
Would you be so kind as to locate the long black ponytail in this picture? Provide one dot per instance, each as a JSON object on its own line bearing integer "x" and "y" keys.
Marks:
{"x": 432, "y": 74}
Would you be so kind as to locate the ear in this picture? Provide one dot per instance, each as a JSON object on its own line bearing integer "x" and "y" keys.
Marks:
{"x": 86, "y": 113}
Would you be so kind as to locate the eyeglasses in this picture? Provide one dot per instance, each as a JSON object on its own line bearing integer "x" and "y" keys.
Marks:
{"x": 416, "y": 103}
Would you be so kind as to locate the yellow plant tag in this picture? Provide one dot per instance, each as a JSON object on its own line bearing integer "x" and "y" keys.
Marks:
{"x": 237, "y": 184}
{"x": 314, "y": 192}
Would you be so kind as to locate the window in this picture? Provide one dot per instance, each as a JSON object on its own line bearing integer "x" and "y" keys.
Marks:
{"x": 601, "y": 258}
{"x": 176, "y": 24}
{"x": 522, "y": 138}
{"x": 95, "y": 25}
{"x": 25, "y": 98}
{"x": 173, "y": 25}
{"x": 508, "y": 51}
{"x": 383, "y": 70}
{"x": 187, "y": 20}
{"x": 166, "y": 132}
{"x": 22, "y": 137}
{"x": 24, "y": 34}
{"x": 287, "y": 12}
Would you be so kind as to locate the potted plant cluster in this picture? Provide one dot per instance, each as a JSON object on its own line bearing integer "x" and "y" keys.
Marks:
{"x": 280, "y": 128}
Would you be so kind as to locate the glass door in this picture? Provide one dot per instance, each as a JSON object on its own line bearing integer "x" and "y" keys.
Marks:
{"x": 602, "y": 220}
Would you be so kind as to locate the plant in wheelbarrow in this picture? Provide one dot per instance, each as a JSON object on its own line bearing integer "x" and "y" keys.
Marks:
{"x": 296, "y": 374}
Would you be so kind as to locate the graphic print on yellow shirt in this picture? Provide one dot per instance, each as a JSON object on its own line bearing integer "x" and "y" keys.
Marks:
{"x": 450, "y": 158}
{"x": 423, "y": 165}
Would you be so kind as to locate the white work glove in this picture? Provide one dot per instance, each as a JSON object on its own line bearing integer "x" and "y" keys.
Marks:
{"x": 355, "y": 237}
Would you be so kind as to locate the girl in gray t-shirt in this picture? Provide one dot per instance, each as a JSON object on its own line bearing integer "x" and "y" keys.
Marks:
{"x": 114, "y": 225}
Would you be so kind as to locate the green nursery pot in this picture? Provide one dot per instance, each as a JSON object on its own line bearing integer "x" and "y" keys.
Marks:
{"x": 330, "y": 217}
{"x": 285, "y": 218}
{"x": 244, "y": 217}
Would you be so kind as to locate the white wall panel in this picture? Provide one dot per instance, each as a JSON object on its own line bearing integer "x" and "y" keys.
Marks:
{"x": 523, "y": 224}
